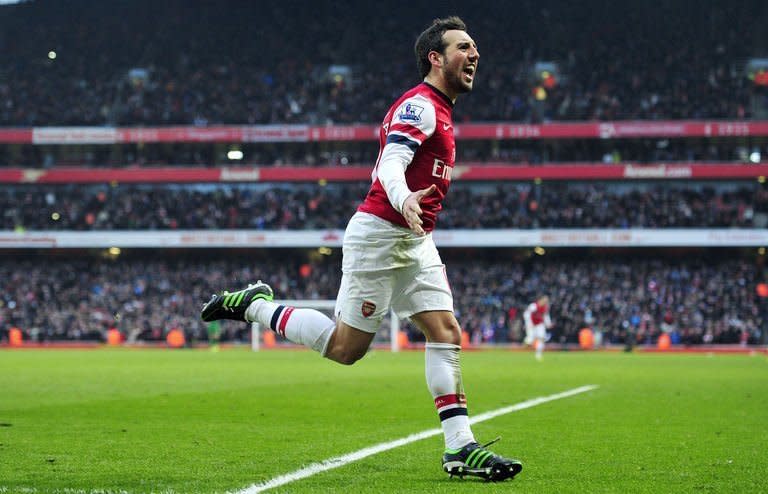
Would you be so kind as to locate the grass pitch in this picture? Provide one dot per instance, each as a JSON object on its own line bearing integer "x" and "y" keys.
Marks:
{"x": 191, "y": 421}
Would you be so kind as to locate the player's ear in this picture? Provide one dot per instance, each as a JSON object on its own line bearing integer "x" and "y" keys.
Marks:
{"x": 436, "y": 59}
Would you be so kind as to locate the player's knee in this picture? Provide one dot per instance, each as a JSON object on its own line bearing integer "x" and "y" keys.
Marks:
{"x": 344, "y": 353}
{"x": 454, "y": 332}
{"x": 448, "y": 332}
{"x": 347, "y": 357}
{"x": 451, "y": 334}
{"x": 455, "y": 338}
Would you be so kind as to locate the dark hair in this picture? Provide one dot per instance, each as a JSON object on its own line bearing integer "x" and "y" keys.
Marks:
{"x": 432, "y": 40}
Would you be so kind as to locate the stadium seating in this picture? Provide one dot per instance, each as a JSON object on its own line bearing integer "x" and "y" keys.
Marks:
{"x": 213, "y": 68}
{"x": 474, "y": 205}
{"x": 196, "y": 63}
{"x": 700, "y": 296}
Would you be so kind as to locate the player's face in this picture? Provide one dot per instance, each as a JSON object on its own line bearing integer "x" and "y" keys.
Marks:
{"x": 460, "y": 61}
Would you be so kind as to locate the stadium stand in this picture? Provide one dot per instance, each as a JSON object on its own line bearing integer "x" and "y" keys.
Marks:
{"x": 199, "y": 63}
{"x": 476, "y": 205}
{"x": 669, "y": 132}
{"x": 344, "y": 153}
{"x": 702, "y": 296}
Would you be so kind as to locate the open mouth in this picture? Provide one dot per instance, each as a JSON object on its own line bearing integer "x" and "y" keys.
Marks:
{"x": 469, "y": 72}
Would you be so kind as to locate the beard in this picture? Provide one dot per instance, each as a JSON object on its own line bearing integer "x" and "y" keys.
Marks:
{"x": 458, "y": 84}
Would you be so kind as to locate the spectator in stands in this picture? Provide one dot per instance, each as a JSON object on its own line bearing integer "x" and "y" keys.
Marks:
{"x": 189, "y": 65}
{"x": 508, "y": 205}
{"x": 712, "y": 298}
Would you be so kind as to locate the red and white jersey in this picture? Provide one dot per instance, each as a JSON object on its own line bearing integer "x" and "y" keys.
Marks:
{"x": 418, "y": 130}
{"x": 536, "y": 314}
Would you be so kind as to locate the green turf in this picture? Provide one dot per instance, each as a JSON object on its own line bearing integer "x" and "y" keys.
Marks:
{"x": 140, "y": 421}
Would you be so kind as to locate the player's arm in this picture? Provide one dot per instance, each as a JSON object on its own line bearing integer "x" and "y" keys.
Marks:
{"x": 527, "y": 316}
{"x": 547, "y": 320}
{"x": 395, "y": 158}
{"x": 403, "y": 140}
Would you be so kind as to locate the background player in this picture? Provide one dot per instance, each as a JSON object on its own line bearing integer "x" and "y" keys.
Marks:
{"x": 537, "y": 321}
{"x": 389, "y": 257}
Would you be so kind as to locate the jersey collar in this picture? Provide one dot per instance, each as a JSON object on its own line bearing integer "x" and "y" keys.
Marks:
{"x": 439, "y": 93}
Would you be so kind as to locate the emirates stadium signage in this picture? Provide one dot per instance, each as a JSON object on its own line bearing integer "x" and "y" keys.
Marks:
{"x": 657, "y": 171}
{"x": 343, "y": 133}
{"x": 583, "y": 237}
{"x": 361, "y": 173}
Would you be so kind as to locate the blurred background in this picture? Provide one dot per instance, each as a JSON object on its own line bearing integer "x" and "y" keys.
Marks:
{"x": 612, "y": 155}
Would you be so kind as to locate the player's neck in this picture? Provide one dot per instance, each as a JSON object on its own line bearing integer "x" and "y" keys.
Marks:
{"x": 440, "y": 85}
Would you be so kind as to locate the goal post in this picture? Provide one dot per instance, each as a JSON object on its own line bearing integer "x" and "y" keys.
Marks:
{"x": 326, "y": 306}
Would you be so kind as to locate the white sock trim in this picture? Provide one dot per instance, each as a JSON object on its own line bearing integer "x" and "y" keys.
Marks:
{"x": 442, "y": 346}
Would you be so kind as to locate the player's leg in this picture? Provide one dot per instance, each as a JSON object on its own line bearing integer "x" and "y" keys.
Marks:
{"x": 425, "y": 296}
{"x": 362, "y": 303}
{"x": 540, "y": 339}
{"x": 256, "y": 304}
{"x": 336, "y": 341}
{"x": 528, "y": 335}
{"x": 363, "y": 300}
{"x": 443, "y": 373}
{"x": 463, "y": 455}
{"x": 347, "y": 344}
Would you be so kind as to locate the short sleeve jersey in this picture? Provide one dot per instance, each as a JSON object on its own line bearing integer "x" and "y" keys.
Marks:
{"x": 537, "y": 312}
{"x": 420, "y": 120}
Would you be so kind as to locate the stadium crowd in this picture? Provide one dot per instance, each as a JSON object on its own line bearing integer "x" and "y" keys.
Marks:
{"x": 364, "y": 153}
{"x": 201, "y": 63}
{"x": 144, "y": 63}
{"x": 697, "y": 299}
{"x": 667, "y": 204}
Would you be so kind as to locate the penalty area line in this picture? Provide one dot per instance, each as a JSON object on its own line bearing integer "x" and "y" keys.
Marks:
{"x": 340, "y": 461}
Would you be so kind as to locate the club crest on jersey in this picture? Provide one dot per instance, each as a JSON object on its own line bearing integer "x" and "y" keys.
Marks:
{"x": 410, "y": 113}
{"x": 368, "y": 308}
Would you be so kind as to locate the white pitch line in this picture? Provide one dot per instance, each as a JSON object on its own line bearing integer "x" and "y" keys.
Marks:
{"x": 340, "y": 461}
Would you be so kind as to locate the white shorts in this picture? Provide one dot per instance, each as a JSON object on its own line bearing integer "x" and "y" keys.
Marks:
{"x": 538, "y": 332}
{"x": 385, "y": 265}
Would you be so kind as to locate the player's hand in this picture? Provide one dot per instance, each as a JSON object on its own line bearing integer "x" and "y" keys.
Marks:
{"x": 412, "y": 210}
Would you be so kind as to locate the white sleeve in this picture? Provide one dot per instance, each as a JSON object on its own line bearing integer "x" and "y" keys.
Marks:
{"x": 527, "y": 315}
{"x": 412, "y": 123}
{"x": 391, "y": 172}
{"x": 547, "y": 320}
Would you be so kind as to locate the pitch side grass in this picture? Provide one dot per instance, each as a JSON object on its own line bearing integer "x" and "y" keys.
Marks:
{"x": 193, "y": 421}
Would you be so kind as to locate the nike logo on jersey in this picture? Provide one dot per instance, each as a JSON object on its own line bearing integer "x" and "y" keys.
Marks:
{"x": 446, "y": 126}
